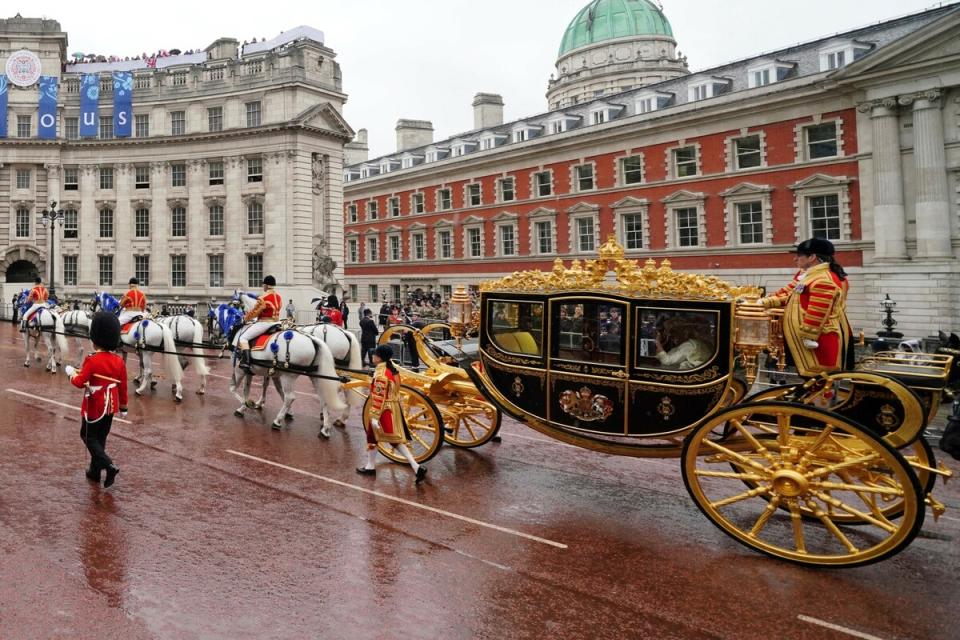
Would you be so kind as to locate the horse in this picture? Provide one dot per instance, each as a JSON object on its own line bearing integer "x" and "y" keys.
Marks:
{"x": 76, "y": 323}
{"x": 47, "y": 322}
{"x": 187, "y": 331}
{"x": 283, "y": 356}
{"x": 143, "y": 337}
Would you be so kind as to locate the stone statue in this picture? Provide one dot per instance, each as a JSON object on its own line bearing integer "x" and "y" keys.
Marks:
{"x": 324, "y": 266}
{"x": 317, "y": 174}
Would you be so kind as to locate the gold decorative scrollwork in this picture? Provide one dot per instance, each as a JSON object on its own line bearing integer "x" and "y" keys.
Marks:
{"x": 704, "y": 376}
{"x": 554, "y": 376}
{"x": 887, "y": 418}
{"x": 517, "y": 386}
{"x": 586, "y": 405}
{"x": 666, "y": 408}
{"x": 539, "y": 374}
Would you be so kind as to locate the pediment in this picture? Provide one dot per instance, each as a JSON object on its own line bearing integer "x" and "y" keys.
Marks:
{"x": 446, "y": 222}
{"x": 473, "y": 220}
{"x": 541, "y": 212}
{"x": 505, "y": 215}
{"x": 821, "y": 180}
{"x": 324, "y": 116}
{"x": 417, "y": 226}
{"x": 630, "y": 201}
{"x": 746, "y": 189}
{"x": 584, "y": 207}
{"x": 684, "y": 196}
{"x": 394, "y": 229}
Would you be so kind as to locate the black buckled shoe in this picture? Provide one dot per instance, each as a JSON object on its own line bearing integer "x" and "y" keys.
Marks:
{"x": 93, "y": 476}
{"x": 366, "y": 472}
{"x": 112, "y": 472}
{"x": 421, "y": 475}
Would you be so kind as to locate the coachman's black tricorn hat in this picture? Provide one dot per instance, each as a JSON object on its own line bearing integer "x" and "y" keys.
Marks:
{"x": 105, "y": 330}
{"x": 134, "y": 281}
{"x": 270, "y": 281}
{"x": 384, "y": 352}
{"x": 815, "y": 247}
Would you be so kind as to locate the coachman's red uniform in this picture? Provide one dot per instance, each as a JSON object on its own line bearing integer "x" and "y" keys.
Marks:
{"x": 385, "y": 408}
{"x": 38, "y": 295}
{"x": 106, "y": 394}
{"x": 134, "y": 300}
{"x": 335, "y": 316}
{"x": 267, "y": 308}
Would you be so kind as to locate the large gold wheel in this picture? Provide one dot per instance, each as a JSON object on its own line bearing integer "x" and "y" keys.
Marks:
{"x": 807, "y": 472}
{"x": 424, "y": 424}
{"x": 468, "y": 420}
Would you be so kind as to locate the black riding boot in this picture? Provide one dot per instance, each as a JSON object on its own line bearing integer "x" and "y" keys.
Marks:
{"x": 245, "y": 362}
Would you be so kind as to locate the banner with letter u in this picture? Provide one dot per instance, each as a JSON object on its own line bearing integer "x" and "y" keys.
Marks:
{"x": 122, "y": 103}
{"x": 3, "y": 106}
{"x": 89, "y": 105}
{"x": 47, "y": 127}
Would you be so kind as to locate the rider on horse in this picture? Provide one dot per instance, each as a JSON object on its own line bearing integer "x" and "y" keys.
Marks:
{"x": 133, "y": 303}
{"x": 37, "y": 299}
{"x": 264, "y": 315}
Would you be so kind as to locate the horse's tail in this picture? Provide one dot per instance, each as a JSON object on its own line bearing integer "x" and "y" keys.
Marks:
{"x": 202, "y": 368}
{"x": 174, "y": 370}
{"x": 61, "y": 337}
{"x": 356, "y": 357}
{"x": 325, "y": 389}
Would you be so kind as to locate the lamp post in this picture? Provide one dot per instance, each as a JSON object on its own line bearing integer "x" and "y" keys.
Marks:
{"x": 461, "y": 309}
{"x": 887, "y": 307}
{"x": 50, "y": 217}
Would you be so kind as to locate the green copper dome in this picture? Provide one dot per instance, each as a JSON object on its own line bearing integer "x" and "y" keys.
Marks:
{"x": 609, "y": 19}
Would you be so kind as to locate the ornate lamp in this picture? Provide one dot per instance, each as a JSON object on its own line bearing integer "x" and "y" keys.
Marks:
{"x": 50, "y": 217}
{"x": 752, "y": 336}
{"x": 461, "y": 310}
{"x": 888, "y": 308}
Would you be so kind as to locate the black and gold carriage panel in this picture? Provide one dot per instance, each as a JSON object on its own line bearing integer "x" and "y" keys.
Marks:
{"x": 512, "y": 348}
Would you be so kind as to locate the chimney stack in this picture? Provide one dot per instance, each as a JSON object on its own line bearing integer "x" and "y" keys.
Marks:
{"x": 487, "y": 110}
{"x": 357, "y": 150}
{"x": 413, "y": 133}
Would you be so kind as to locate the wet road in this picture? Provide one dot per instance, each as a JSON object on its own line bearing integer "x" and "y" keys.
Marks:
{"x": 219, "y": 527}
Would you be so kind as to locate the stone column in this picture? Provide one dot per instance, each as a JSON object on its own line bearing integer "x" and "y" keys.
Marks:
{"x": 235, "y": 223}
{"x": 890, "y": 223}
{"x": 933, "y": 206}
{"x": 53, "y": 193}
{"x": 159, "y": 227}
{"x": 197, "y": 178}
{"x": 123, "y": 223}
{"x": 88, "y": 266}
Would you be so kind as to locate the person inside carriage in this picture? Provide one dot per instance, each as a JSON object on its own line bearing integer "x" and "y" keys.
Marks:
{"x": 133, "y": 304}
{"x": 815, "y": 325}
{"x": 683, "y": 342}
{"x": 264, "y": 315}
{"x": 36, "y": 299}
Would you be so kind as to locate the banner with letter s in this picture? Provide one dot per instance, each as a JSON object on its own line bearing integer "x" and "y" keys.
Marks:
{"x": 122, "y": 104}
{"x": 3, "y": 106}
{"x": 49, "y": 89}
{"x": 89, "y": 105}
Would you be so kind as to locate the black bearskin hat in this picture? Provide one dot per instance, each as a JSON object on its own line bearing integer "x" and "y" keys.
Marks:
{"x": 333, "y": 302}
{"x": 815, "y": 247}
{"x": 105, "y": 330}
{"x": 384, "y": 352}
{"x": 270, "y": 281}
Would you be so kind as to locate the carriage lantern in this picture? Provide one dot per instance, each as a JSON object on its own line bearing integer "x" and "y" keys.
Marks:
{"x": 753, "y": 335}
{"x": 461, "y": 309}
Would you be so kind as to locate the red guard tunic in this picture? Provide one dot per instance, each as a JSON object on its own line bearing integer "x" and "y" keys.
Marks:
{"x": 816, "y": 302}
{"x": 385, "y": 407}
{"x": 105, "y": 378}
{"x": 267, "y": 308}
{"x": 335, "y": 317}
{"x": 134, "y": 300}
{"x": 38, "y": 295}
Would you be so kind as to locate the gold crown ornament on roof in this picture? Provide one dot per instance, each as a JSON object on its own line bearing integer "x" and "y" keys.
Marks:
{"x": 613, "y": 273}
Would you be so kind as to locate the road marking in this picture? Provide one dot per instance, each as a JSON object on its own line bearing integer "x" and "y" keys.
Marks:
{"x": 836, "y": 627}
{"x": 59, "y": 404}
{"x": 489, "y": 562}
{"x": 410, "y": 503}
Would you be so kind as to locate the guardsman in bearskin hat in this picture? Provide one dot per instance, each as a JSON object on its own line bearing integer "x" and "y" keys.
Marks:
{"x": 265, "y": 314}
{"x": 333, "y": 312}
{"x": 103, "y": 378}
{"x": 37, "y": 299}
{"x": 815, "y": 322}
{"x": 133, "y": 304}
{"x": 386, "y": 422}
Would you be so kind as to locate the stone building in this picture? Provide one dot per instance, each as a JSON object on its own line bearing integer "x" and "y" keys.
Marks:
{"x": 854, "y": 137}
{"x": 233, "y": 170}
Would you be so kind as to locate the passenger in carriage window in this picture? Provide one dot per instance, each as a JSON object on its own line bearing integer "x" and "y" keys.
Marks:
{"x": 682, "y": 342}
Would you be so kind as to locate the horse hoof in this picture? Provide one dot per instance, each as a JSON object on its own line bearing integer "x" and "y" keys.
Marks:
{"x": 258, "y": 406}
{"x": 276, "y": 426}
{"x": 339, "y": 423}
{"x": 324, "y": 434}
{"x": 250, "y": 404}
{"x": 26, "y": 364}
{"x": 153, "y": 384}
{"x": 200, "y": 392}
{"x": 288, "y": 416}
{"x": 177, "y": 399}
{"x": 238, "y": 413}
{"x": 138, "y": 392}
{"x": 136, "y": 380}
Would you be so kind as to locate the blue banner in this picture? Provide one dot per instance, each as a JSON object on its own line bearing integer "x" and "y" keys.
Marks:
{"x": 47, "y": 127}
{"x": 122, "y": 104}
{"x": 3, "y": 106}
{"x": 89, "y": 105}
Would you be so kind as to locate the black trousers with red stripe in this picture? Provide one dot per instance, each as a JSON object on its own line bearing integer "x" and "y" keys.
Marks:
{"x": 94, "y": 436}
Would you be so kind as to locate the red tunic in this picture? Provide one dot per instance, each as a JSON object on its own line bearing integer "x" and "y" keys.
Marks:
{"x": 335, "y": 317}
{"x": 106, "y": 376}
{"x": 267, "y": 308}
{"x": 38, "y": 294}
{"x": 134, "y": 299}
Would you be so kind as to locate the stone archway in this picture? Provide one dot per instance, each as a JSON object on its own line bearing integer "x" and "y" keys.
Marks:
{"x": 21, "y": 271}
{"x": 21, "y": 261}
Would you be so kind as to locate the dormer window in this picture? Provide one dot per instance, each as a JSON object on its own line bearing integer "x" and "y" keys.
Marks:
{"x": 604, "y": 112}
{"x": 562, "y": 122}
{"x": 841, "y": 54}
{"x": 649, "y": 102}
{"x": 768, "y": 73}
{"x": 492, "y": 140}
{"x": 708, "y": 89}
{"x": 461, "y": 147}
{"x": 369, "y": 170}
{"x": 523, "y": 132}
{"x": 436, "y": 153}
{"x": 389, "y": 164}
{"x": 408, "y": 160}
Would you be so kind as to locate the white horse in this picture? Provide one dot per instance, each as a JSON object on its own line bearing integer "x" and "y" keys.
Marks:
{"x": 49, "y": 324}
{"x": 77, "y": 324}
{"x": 188, "y": 331}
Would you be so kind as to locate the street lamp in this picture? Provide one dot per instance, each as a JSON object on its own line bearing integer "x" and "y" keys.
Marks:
{"x": 461, "y": 310}
{"x": 887, "y": 307}
{"x": 50, "y": 217}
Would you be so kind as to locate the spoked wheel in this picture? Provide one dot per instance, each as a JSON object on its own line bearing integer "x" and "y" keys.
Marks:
{"x": 469, "y": 421}
{"x": 423, "y": 422}
{"x": 807, "y": 471}
{"x": 392, "y": 330}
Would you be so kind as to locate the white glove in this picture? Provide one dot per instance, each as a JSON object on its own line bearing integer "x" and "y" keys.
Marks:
{"x": 70, "y": 371}
{"x": 374, "y": 423}
{"x": 810, "y": 344}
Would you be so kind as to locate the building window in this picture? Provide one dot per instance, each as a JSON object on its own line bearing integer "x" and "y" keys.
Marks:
{"x": 685, "y": 162}
{"x": 178, "y": 222}
{"x": 354, "y": 292}
{"x": 141, "y": 270}
{"x": 178, "y": 175}
{"x": 688, "y": 228}
{"x": 446, "y": 291}
{"x": 70, "y": 270}
{"x": 352, "y": 213}
{"x": 747, "y": 150}
{"x": 418, "y": 203}
{"x": 23, "y": 126}
{"x": 544, "y": 235}
{"x": 23, "y": 178}
{"x": 584, "y": 176}
{"x": 761, "y": 77}
{"x": 141, "y": 178}
{"x": 750, "y": 222}
{"x": 395, "y": 291}
{"x": 353, "y": 251}
{"x": 835, "y": 60}
{"x": 254, "y": 170}
{"x": 508, "y": 190}
{"x": 586, "y": 235}
{"x": 394, "y": 248}
{"x": 474, "y": 243}
{"x": 215, "y": 269}
{"x": 106, "y": 222}
{"x": 598, "y": 117}
{"x": 445, "y": 242}
{"x": 23, "y": 223}
{"x": 141, "y": 125}
{"x": 71, "y": 179}
{"x": 178, "y": 271}
{"x": 106, "y": 177}
{"x": 178, "y": 123}
{"x": 544, "y": 183}
{"x": 253, "y": 114}
{"x": 106, "y": 127}
{"x": 106, "y": 271}
{"x": 699, "y": 92}
{"x": 72, "y": 132}
{"x": 825, "y": 216}
{"x": 419, "y": 252}
{"x": 474, "y": 195}
{"x": 822, "y": 141}
{"x": 373, "y": 210}
{"x": 254, "y": 269}
{"x": 255, "y": 218}
{"x": 216, "y": 220}
{"x": 215, "y": 119}
{"x": 373, "y": 292}
{"x": 632, "y": 231}
{"x": 141, "y": 222}
{"x": 520, "y": 135}
{"x": 71, "y": 225}
{"x": 631, "y": 168}
{"x": 216, "y": 173}
{"x": 444, "y": 199}
{"x": 394, "y": 207}
{"x": 373, "y": 250}
{"x": 508, "y": 240}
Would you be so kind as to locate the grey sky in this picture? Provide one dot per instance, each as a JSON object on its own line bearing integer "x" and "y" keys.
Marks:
{"x": 425, "y": 59}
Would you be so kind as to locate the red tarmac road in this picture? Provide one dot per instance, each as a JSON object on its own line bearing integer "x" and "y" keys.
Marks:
{"x": 219, "y": 527}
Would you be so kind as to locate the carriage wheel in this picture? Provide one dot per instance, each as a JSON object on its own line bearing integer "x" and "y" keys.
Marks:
{"x": 389, "y": 331}
{"x": 469, "y": 421}
{"x": 802, "y": 461}
{"x": 423, "y": 422}
{"x": 735, "y": 392}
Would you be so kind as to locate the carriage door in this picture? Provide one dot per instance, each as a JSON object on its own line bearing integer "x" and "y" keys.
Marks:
{"x": 588, "y": 368}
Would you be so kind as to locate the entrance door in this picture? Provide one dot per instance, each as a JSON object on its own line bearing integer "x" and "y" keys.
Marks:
{"x": 22, "y": 271}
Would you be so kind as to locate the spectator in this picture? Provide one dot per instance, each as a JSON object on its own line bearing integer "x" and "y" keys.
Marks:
{"x": 368, "y": 336}
{"x": 384, "y": 315}
{"x": 345, "y": 312}
{"x": 291, "y": 310}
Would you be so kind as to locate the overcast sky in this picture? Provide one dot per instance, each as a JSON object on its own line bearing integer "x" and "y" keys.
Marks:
{"x": 426, "y": 59}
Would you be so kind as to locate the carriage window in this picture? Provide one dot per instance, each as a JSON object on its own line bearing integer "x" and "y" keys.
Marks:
{"x": 517, "y": 327}
{"x": 675, "y": 340}
{"x": 589, "y": 332}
